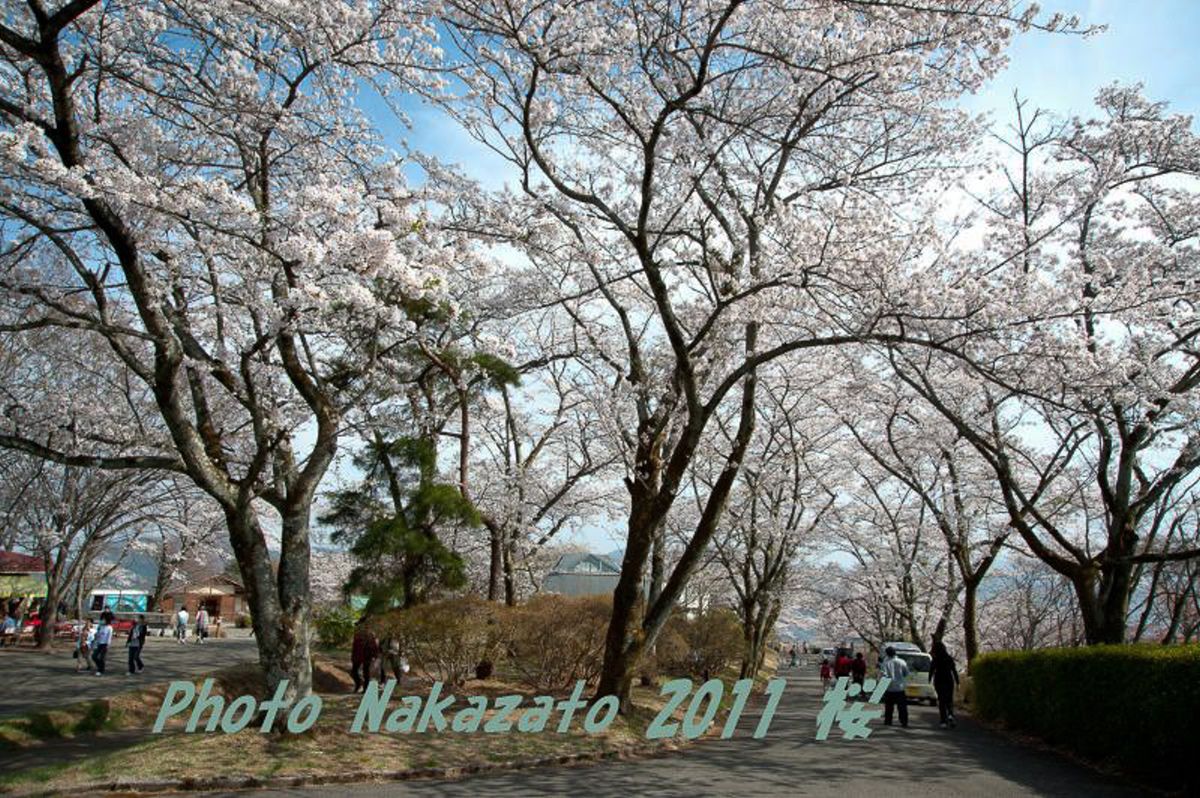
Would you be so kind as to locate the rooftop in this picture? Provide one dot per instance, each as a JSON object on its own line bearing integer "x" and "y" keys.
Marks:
{"x": 586, "y": 563}
{"x": 13, "y": 563}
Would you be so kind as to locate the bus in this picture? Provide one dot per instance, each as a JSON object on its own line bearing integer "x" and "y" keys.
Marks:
{"x": 119, "y": 601}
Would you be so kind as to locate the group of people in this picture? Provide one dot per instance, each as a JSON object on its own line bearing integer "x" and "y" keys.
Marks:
{"x": 795, "y": 652}
{"x": 943, "y": 674}
{"x": 365, "y": 649}
{"x": 92, "y": 644}
{"x": 181, "y": 625}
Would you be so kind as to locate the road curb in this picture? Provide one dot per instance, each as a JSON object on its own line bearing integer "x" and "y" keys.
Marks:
{"x": 193, "y": 784}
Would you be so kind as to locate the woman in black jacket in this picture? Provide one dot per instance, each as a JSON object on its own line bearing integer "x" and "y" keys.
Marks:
{"x": 135, "y": 642}
{"x": 944, "y": 675}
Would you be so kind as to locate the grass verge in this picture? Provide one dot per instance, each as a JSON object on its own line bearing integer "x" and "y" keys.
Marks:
{"x": 327, "y": 748}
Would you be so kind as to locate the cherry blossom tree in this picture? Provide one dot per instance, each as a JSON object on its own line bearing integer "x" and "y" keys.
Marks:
{"x": 72, "y": 516}
{"x": 192, "y": 185}
{"x": 787, "y": 485}
{"x": 711, "y": 186}
{"x": 1167, "y": 586}
{"x": 1088, "y": 418}
{"x": 544, "y": 466}
{"x": 187, "y": 536}
{"x": 1026, "y": 606}
{"x": 915, "y": 447}
{"x": 901, "y": 582}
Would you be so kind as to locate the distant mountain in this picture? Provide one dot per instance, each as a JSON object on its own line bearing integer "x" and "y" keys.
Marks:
{"x": 137, "y": 572}
{"x": 797, "y": 624}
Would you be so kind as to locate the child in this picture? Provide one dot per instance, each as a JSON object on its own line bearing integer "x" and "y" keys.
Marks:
{"x": 826, "y": 674}
{"x": 83, "y": 646}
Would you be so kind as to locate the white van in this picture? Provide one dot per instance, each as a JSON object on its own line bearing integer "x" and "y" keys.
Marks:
{"x": 918, "y": 688}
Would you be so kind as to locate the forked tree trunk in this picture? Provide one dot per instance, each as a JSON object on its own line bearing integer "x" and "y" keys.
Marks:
{"x": 624, "y": 641}
{"x": 279, "y": 603}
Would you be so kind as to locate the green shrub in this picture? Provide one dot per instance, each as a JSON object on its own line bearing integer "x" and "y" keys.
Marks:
{"x": 1133, "y": 705}
{"x": 446, "y": 639}
{"x": 555, "y": 640}
{"x": 335, "y": 626}
{"x": 704, "y": 644}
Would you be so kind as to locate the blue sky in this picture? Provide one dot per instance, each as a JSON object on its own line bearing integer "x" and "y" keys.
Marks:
{"x": 1154, "y": 42}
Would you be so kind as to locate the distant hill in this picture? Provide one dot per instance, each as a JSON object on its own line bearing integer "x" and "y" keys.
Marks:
{"x": 797, "y": 624}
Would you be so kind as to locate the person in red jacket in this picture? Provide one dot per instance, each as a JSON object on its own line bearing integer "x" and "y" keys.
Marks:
{"x": 841, "y": 666}
{"x": 363, "y": 652}
{"x": 826, "y": 674}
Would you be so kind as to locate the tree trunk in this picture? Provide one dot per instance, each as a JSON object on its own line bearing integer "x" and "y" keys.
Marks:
{"x": 970, "y": 627}
{"x": 623, "y": 642}
{"x": 510, "y": 582}
{"x": 495, "y": 562}
{"x": 279, "y": 602}
{"x": 1115, "y": 585}
{"x": 764, "y": 633}
{"x": 160, "y": 581}
{"x": 1177, "y": 614}
{"x": 658, "y": 565}
{"x": 750, "y": 621}
{"x": 1144, "y": 618}
{"x": 48, "y": 613}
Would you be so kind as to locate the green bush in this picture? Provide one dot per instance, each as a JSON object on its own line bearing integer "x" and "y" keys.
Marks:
{"x": 1133, "y": 705}
{"x": 446, "y": 639}
{"x": 554, "y": 640}
{"x": 335, "y": 626}
{"x": 703, "y": 644}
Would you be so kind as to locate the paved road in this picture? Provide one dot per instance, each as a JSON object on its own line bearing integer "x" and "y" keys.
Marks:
{"x": 32, "y": 680}
{"x": 921, "y": 760}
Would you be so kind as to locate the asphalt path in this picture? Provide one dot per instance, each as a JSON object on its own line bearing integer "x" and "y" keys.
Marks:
{"x": 31, "y": 680}
{"x": 921, "y": 760}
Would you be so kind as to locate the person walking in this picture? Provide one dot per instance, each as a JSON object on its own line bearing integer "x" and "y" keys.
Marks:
{"x": 181, "y": 619}
{"x": 895, "y": 669}
{"x": 793, "y": 655}
{"x": 826, "y": 675}
{"x": 104, "y": 633}
{"x": 858, "y": 669}
{"x": 135, "y": 642}
{"x": 363, "y": 651}
{"x": 201, "y": 624}
{"x": 83, "y": 646}
{"x": 391, "y": 658}
{"x": 943, "y": 673}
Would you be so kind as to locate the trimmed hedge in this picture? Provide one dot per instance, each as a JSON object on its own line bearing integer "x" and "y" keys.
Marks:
{"x": 1134, "y": 705}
